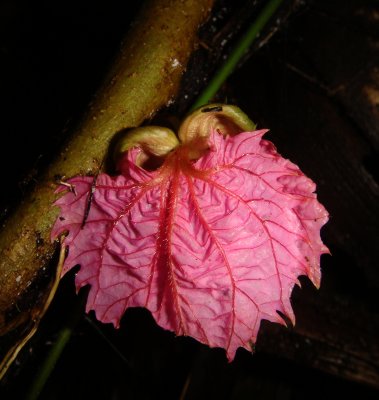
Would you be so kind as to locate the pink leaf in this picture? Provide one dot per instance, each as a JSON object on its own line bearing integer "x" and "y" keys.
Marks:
{"x": 210, "y": 247}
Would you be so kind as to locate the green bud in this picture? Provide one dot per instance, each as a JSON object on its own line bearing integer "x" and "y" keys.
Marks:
{"x": 154, "y": 141}
{"x": 227, "y": 119}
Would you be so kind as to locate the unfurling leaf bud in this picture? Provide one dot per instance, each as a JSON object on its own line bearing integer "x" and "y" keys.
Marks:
{"x": 152, "y": 140}
{"x": 227, "y": 119}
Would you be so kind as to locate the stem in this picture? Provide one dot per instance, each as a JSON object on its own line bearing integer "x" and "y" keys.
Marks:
{"x": 143, "y": 79}
{"x": 57, "y": 348}
{"x": 49, "y": 363}
{"x": 236, "y": 54}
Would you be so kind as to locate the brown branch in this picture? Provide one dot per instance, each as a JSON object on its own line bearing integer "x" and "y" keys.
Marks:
{"x": 144, "y": 78}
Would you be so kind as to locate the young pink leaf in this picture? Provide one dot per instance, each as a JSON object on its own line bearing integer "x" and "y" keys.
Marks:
{"x": 210, "y": 247}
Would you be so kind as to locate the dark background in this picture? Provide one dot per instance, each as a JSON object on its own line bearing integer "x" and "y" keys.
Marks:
{"x": 315, "y": 85}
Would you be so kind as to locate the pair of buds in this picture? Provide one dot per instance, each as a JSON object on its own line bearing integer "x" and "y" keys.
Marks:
{"x": 157, "y": 142}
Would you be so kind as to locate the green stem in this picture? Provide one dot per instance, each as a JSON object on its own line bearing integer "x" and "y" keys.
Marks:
{"x": 57, "y": 348}
{"x": 236, "y": 54}
{"x": 49, "y": 363}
